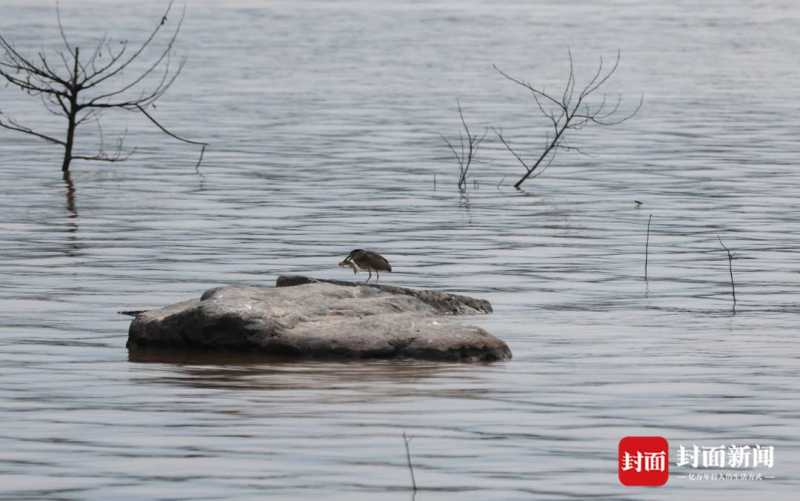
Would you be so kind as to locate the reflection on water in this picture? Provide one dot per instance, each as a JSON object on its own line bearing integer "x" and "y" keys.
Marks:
{"x": 242, "y": 371}
{"x": 70, "y": 195}
{"x": 323, "y": 122}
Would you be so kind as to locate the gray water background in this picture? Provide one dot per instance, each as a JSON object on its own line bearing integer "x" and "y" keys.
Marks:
{"x": 324, "y": 122}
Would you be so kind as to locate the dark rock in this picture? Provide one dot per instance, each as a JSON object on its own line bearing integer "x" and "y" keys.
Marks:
{"x": 305, "y": 317}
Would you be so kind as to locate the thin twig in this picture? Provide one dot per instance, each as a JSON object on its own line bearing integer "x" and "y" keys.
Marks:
{"x": 647, "y": 247}
{"x": 61, "y": 28}
{"x": 167, "y": 132}
{"x": 467, "y": 150}
{"x": 410, "y": 465}
{"x": 12, "y": 125}
{"x": 730, "y": 270}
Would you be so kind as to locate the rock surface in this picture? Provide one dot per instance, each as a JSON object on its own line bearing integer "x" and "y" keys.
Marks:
{"x": 306, "y": 317}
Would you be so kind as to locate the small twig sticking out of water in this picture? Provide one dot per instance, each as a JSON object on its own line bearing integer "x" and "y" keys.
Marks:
{"x": 465, "y": 150}
{"x": 434, "y": 182}
{"x": 408, "y": 460}
{"x": 730, "y": 270}
{"x": 647, "y": 247}
{"x": 188, "y": 141}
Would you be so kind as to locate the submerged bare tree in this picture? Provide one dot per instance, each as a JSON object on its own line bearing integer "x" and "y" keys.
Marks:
{"x": 468, "y": 145}
{"x": 571, "y": 109}
{"x": 80, "y": 86}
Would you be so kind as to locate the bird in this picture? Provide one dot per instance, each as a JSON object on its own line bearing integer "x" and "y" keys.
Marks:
{"x": 360, "y": 260}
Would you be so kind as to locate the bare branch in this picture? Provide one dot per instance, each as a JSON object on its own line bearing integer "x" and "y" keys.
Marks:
{"x": 730, "y": 270}
{"x": 30, "y": 87}
{"x": 49, "y": 70}
{"x": 569, "y": 88}
{"x": 12, "y": 125}
{"x": 104, "y": 157}
{"x": 167, "y": 132}
{"x": 118, "y": 155}
{"x": 69, "y": 48}
{"x": 456, "y": 154}
{"x": 143, "y": 100}
{"x": 602, "y": 120}
{"x": 647, "y": 247}
{"x": 594, "y": 77}
{"x": 113, "y": 58}
{"x": 22, "y": 63}
{"x": 91, "y": 114}
{"x": 51, "y": 105}
{"x": 548, "y": 164}
{"x": 530, "y": 87}
{"x": 572, "y": 112}
{"x": 96, "y": 79}
{"x": 603, "y": 79}
{"x": 406, "y": 440}
{"x": 98, "y": 51}
{"x": 469, "y": 144}
{"x": 62, "y": 105}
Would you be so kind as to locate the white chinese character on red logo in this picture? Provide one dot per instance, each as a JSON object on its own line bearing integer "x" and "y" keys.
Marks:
{"x": 647, "y": 461}
{"x": 654, "y": 461}
{"x": 632, "y": 462}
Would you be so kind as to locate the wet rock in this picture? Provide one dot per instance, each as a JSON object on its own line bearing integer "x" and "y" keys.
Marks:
{"x": 310, "y": 318}
{"x": 442, "y": 302}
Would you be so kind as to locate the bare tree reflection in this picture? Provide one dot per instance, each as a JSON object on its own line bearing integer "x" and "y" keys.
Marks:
{"x": 73, "y": 245}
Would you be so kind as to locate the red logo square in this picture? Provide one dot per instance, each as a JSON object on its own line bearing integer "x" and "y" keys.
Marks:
{"x": 643, "y": 461}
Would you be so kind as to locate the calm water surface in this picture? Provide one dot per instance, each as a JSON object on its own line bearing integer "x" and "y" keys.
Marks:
{"x": 324, "y": 120}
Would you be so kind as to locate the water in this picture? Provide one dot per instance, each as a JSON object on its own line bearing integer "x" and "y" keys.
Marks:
{"x": 323, "y": 119}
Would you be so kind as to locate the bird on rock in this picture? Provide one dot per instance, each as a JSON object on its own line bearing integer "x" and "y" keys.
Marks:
{"x": 364, "y": 260}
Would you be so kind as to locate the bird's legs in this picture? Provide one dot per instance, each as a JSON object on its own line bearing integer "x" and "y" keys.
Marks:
{"x": 370, "y": 275}
{"x": 378, "y": 275}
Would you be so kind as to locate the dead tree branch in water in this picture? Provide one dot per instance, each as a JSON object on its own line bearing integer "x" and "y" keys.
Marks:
{"x": 647, "y": 247}
{"x": 571, "y": 109}
{"x": 408, "y": 461}
{"x": 468, "y": 145}
{"x": 80, "y": 86}
{"x": 202, "y": 145}
{"x": 730, "y": 270}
